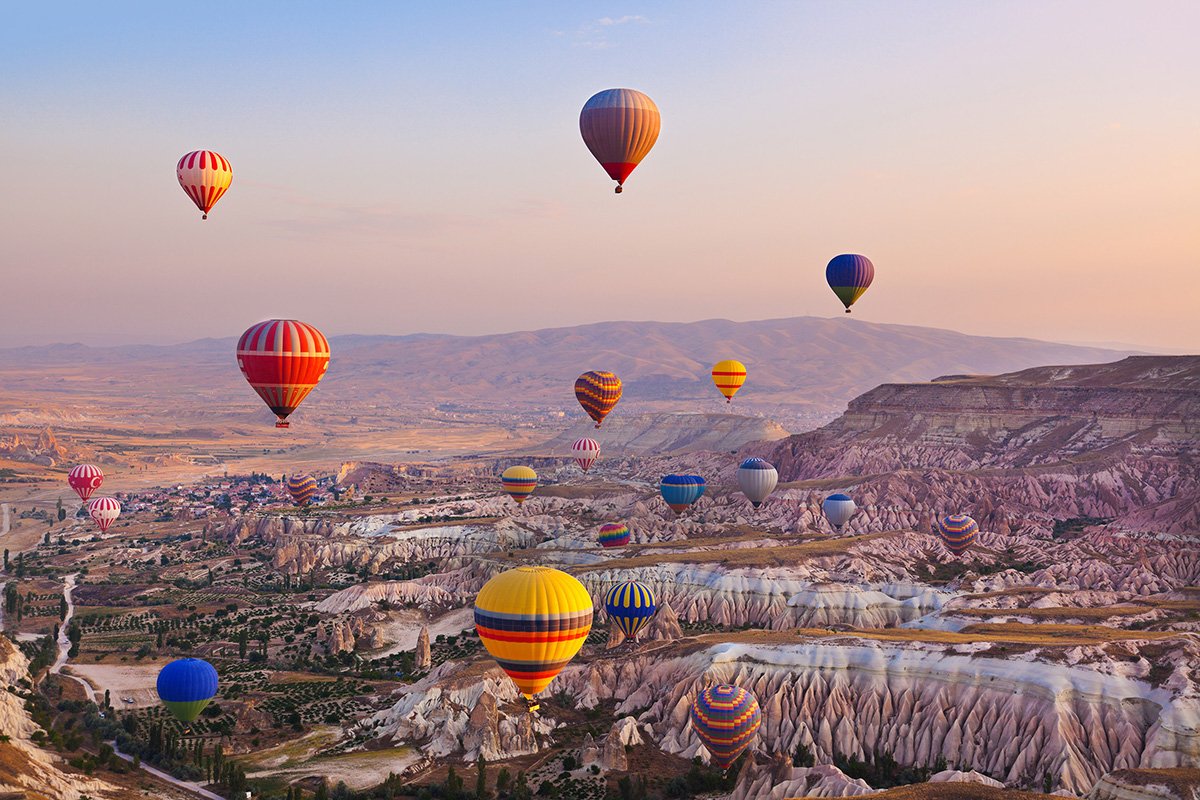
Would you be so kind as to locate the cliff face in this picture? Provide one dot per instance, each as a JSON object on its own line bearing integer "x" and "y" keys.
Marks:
{"x": 26, "y": 769}
{"x": 1023, "y": 449}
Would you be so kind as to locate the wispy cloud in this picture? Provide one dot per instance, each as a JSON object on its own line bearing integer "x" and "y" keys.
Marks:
{"x": 593, "y": 34}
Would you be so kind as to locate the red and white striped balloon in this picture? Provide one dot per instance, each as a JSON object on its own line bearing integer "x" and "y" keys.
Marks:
{"x": 104, "y": 510}
{"x": 205, "y": 176}
{"x": 585, "y": 451}
{"x": 85, "y": 479}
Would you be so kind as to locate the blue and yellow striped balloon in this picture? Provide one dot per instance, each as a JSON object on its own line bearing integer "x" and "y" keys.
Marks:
{"x": 849, "y": 275}
{"x": 680, "y": 491}
{"x": 957, "y": 532}
{"x": 725, "y": 718}
{"x": 302, "y": 488}
{"x": 630, "y": 605}
{"x": 519, "y": 482}
{"x": 533, "y": 620}
{"x": 186, "y": 686}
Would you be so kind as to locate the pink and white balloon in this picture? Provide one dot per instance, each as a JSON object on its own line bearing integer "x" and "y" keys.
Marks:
{"x": 585, "y": 452}
{"x": 104, "y": 510}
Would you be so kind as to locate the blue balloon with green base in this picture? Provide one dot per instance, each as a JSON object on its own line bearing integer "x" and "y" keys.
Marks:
{"x": 186, "y": 686}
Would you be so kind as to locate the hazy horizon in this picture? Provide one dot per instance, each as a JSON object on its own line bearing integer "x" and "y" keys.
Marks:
{"x": 1018, "y": 170}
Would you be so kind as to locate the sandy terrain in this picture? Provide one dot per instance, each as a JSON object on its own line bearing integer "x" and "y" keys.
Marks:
{"x": 296, "y": 760}
{"x": 403, "y": 628}
{"x": 134, "y": 681}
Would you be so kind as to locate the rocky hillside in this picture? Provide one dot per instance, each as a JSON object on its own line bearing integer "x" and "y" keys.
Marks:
{"x": 1022, "y": 450}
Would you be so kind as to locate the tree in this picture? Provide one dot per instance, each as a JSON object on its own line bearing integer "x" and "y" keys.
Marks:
{"x": 6, "y": 558}
{"x": 62, "y": 513}
{"x": 454, "y": 784}
{"x": 503, "y": 778}
{"x": 62, "y": 608}
{"x": 481, "y": 792}
{"x": 242, "y": 640}
{"x": 322, "y": 791}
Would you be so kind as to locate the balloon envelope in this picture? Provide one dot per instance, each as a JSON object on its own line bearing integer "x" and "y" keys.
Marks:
{"x": 597, "y": 392}
{"x": 205, "y": 176}
{"x": 725, "y": 718}
{"x": 849, "y": 276}
{"x": 283, "y": 360}
{"x": 533, "y": 620}
{"x": 757, "y": 479}
{"x": 302, "y": 488}
{"x": 728, "y": 376}
{"x": 519, "y": 482}
{"x": 631, "y": 606}
{"x": 680, "y": 491}
{"x": 957, "y": 531}
{"x": 585, "y": 451}
{"x": 619, "y": 126}
{"x": 838, "y": 509}
{"x": 85, "y": 479}
{"x": 614, "y": 534}
{"x": 186, "y": 686}
{"x": 104, "y": 511}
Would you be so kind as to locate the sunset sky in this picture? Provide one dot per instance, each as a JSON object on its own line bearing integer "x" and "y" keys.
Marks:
{"x": 1017, "y": 169}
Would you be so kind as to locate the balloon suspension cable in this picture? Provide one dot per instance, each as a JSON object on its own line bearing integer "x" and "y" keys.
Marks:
{"x": 618, "y": 190}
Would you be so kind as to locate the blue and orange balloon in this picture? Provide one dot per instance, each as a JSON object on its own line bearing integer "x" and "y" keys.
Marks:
{"x": 186, "y": 686}
{"x": 680, "y": 491}
{"x": 302, "y": 488}
{"x": 849, "y": 276}
{"x": 957, "y": 531}
{"x": 631, "y": 606}
{"x": 726, "y": 718}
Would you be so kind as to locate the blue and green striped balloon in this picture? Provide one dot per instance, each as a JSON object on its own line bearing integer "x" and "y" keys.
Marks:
{"x": 186, "y": 686}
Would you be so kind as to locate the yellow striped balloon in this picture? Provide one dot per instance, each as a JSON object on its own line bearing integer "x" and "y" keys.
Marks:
{"x": 519, "y": 482}
{"x": 728, "y": 376}
{"x": 533, "y": 620}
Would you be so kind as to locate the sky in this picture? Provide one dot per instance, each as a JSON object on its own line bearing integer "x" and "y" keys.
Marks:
{"x": 1011, "y": 168}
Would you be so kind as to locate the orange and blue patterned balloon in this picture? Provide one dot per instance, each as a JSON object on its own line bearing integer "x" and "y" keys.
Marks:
{"x": 680, "y": 491}
{"x": 725, "y": 718}
{"x": 849, "y": 276}
{"x": 302, "y": 488}
{"x": 631, "y": 606}
{"x": 519, "y": 482}
{"x": 614, "y": 534}
{"x": 597, "y": 392}
{"x": 957, "y": 532}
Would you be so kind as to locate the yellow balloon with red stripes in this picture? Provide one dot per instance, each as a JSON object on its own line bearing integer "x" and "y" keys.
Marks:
{"x": 728, "y": 376}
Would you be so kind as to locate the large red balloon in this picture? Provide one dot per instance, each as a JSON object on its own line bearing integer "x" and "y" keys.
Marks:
{"x": 85, "y": 479}
{"x": 283, "y": 360}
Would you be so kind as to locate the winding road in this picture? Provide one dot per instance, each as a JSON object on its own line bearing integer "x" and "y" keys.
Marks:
{"x": 5, "y": 510}
{"x": 195, "y": 788}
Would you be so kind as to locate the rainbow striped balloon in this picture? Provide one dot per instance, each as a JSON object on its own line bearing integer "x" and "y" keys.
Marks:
{"x": 728, "y": 376}
{"x": 725, "y": 718}
{"x": 519, "y": 482}
{"x": 957, "y": 532}
{"x": 597, "y": 392}
{"x": 614, "y": 534}
{"x": 630, "y": 605}
{"x": 302, "y": 488}
{"x": 533, "y": 620}
{"x": 849, "y": 276}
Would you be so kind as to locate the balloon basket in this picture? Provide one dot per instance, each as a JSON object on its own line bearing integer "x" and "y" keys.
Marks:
{"x": 282, "y": 424}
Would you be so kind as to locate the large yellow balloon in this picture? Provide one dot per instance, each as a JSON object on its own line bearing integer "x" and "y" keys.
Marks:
{"x": 533, "y": 620}
{"x": 728, "y": 376}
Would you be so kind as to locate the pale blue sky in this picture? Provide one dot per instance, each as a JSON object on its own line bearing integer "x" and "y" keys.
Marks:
{"x": 1022, "y": 168}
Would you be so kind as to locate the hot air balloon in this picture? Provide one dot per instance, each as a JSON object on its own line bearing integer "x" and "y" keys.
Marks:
{"x": 838, "y": 509}
{"x": 680, "y": 491}
{"x": 757, "y": 479}
{"x": 619, "y": 126}
{"x": 284, "y": 360}
{"x": 597, "y": 392}
{"x": 586, "y": 451}
{"x": 85, "y": 479}
{"x": 533, "y": 620}
{"x": 725, "y": 718}
{"x": 302, "y": 488}
{"x": 631, "y": 605}
{"x": 104, "y": 510}
{"x": 204, "y": 176}
{"x": 519, "y": 482}
{"x": 729, "y": 375}
{"x": 185, "y": 687}
{"x": 613, "y": 534}
{"x": 957, "y": 532}
{"x": 849, "y": 276}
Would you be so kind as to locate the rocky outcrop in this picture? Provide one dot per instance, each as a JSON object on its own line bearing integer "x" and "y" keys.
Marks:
{"x": 42, "y": 449}
{"x": 664, "y": 626}
{"x": 1148, "y": 784}
{"x": 423, "y": 658}
{"x": 624, "y": 733}
{"x": 957, "y": 776}
{"x": 780, "y": 780}
{"x": 25, "y": 767}
{"x": 347, "y": 635}
{"x": 369, "y": 595}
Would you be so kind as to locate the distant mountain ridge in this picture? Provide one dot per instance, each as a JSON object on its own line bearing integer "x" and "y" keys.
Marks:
{"x": 806, "y": 365}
